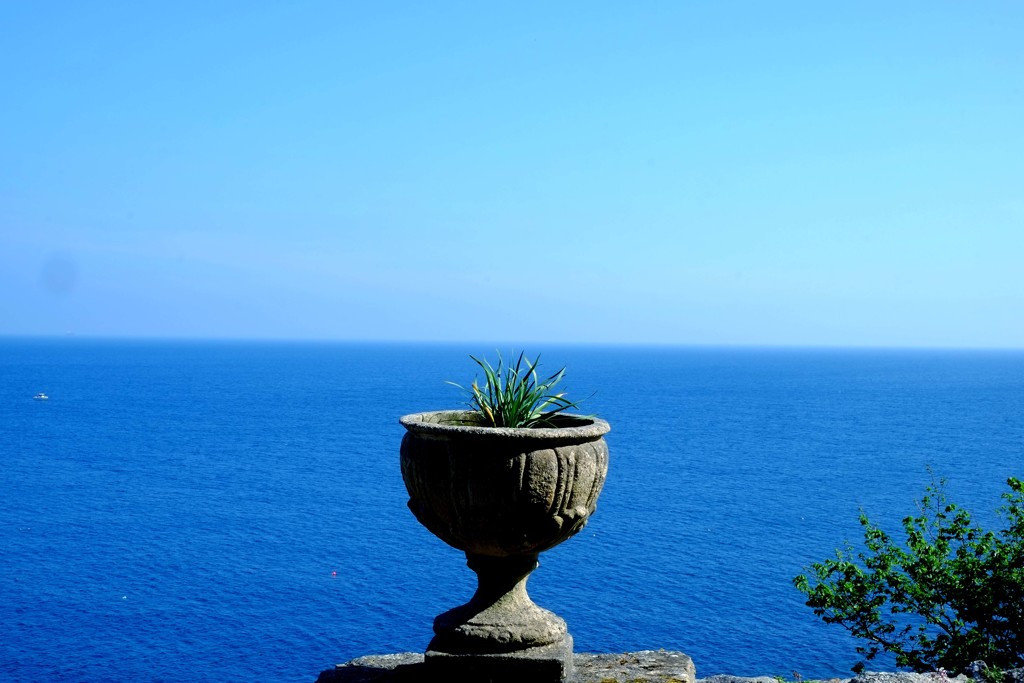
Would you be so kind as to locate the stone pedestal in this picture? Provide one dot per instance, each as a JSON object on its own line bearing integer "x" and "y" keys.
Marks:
{"x": 500, "y": 634}
{"x": 502, "y": 496}
{"x": 545, "y": 663}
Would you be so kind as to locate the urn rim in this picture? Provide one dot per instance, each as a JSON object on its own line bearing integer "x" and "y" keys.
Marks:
{"x": 460, "y": 423}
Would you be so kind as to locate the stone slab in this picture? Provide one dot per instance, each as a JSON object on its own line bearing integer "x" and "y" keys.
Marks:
{"x": 647, "y": 666}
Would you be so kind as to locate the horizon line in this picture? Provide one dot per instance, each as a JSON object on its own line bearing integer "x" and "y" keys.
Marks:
{"x": 737, "y": 346}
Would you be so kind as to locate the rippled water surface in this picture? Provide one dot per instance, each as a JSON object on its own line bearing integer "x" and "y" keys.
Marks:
{"x": 199, "y": 511}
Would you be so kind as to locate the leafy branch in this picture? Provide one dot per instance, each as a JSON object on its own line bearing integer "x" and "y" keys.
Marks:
{"x": 951, "y": 594}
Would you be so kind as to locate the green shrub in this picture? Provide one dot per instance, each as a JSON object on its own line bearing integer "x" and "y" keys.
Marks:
{"x": 515, "y": 396}
{"x": 951, "y": 594}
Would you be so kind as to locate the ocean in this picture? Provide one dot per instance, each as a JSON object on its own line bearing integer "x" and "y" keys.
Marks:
{"x": 201, "y": 511}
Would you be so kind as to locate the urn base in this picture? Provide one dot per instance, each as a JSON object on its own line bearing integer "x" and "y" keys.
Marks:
{"x": 544, "y": 664}
{"x": 500, "y": 618}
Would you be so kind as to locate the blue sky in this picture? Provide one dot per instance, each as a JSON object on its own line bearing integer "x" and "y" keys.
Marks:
{"x": 786, "y": 173}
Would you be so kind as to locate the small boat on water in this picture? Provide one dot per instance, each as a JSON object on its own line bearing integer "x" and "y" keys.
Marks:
{"x": 40, "y": 396}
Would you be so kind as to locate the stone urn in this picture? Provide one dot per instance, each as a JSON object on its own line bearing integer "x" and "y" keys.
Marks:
{"x": 502, "y": 496}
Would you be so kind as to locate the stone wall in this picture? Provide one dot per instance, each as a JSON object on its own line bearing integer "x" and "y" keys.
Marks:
{"x": 647, "y": 666}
